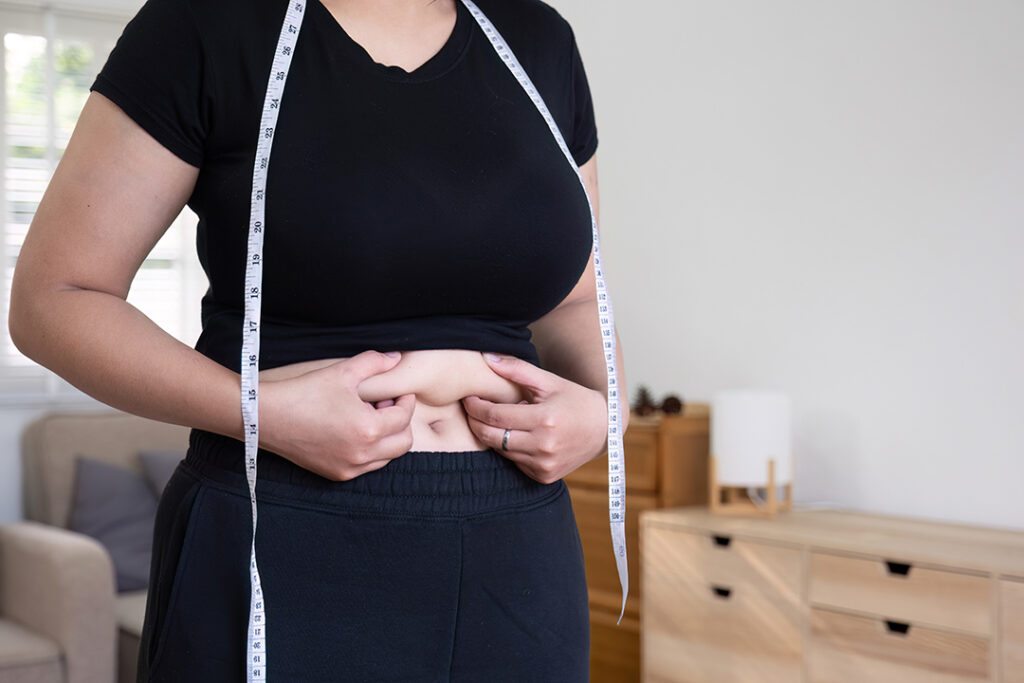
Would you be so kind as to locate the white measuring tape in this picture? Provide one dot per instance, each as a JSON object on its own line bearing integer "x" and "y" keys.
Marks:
{"x": 616, "y": 466}
{"x": 257, "y": 629}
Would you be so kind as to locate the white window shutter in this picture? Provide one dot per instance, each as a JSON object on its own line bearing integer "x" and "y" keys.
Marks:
{"x": 49, "y": 58}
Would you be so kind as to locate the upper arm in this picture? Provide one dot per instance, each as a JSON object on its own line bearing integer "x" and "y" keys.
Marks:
{"x": 113, "y": 194}
{"x": 130, "y": 166}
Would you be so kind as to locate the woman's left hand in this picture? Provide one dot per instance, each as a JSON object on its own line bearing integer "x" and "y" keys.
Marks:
{"x": 564, "y": 426}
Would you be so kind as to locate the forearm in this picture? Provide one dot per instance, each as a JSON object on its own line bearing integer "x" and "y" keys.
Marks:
{"x": 110, "y": 350}
{"x": 568, "y": 342}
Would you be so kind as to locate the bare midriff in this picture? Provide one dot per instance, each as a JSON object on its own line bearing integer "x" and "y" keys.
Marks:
{"x": 440, "y": 379}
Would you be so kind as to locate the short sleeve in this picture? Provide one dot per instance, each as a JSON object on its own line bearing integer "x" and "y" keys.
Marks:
{"x": 584, "y": 127}
{"x": 158, "y": 73}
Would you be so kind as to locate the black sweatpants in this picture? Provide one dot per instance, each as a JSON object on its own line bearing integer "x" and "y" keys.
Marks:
{"x": 437, "y": 567}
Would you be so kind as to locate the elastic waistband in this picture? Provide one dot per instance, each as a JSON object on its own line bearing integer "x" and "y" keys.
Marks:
{"x": 418, "y": 483}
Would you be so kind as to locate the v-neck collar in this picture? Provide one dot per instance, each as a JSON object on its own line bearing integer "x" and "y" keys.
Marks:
{"x": 438, "y": 64}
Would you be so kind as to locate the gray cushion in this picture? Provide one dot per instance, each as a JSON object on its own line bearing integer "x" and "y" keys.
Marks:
{"x": 158, "y": 466}
{"x": 116, "y": 506}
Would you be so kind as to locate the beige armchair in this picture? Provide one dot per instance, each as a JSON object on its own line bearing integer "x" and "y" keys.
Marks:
{"x": 58, "y": 605}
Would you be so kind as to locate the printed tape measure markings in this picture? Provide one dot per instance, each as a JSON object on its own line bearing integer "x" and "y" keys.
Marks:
{"x": 616, "y": 466}
{"x": 256, "y": 640}
{"x": 257, "y": 630}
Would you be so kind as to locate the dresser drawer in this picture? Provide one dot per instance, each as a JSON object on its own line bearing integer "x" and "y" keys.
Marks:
{"x": 696, "y": 635}
{"x": 641, "y": 460}
{"x": 903, "y": 592}
{"x": 1011, "y": 609}
{"x": 844, "y": 648}
{"x": 729, "y": 562}
{"x": 700, "y": 630}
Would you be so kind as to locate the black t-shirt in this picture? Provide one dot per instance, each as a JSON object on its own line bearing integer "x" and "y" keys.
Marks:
{"x": 431, "y": 209}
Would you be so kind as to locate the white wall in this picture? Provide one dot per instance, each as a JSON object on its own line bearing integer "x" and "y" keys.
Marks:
{"x": 826, "y": 199}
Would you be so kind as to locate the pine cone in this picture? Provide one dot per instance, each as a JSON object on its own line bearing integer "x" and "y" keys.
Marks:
{"x": 672, "y": 405}
{"x": 643, "y": 405}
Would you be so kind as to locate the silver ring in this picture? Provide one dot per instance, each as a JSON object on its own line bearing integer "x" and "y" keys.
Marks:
{"x": 504, "y": 439}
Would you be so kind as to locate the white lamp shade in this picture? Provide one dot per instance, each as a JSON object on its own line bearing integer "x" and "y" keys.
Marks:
{"x": 749, "y": 427}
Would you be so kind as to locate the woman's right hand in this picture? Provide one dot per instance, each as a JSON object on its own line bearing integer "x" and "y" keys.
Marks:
{"x": 318, "y": 421}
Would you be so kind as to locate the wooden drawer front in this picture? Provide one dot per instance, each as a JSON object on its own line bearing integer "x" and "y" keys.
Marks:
{"x": 614, "y": 648}
{"x": 730, "y": 562}
{"x": 1011, "y": 625}
{"x": 695, "y": 630}
{"x": 641, "y": 450}
{"x": 844, "y": 648}
{"x": 920, "y": 595}
{"x": 591, "y": 509}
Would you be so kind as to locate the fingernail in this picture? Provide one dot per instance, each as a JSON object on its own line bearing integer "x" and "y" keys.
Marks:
{"x": 391, "y": 354}
{"x": 492, "y": 358}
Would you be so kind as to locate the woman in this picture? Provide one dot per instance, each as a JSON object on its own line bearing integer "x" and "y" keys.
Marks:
{"x": 413, "y": 524}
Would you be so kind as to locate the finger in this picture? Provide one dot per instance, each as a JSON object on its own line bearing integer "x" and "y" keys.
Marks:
{"x": 370, "y": 466}
{"x": 386, "y": 403}
{"x": 407, "y": 401}
{"x": 369, "y": 363}
{"x": 396, "y": 418}
{"x": 504, "y": 415}
{"x": 538, "y": 381}
{"x": 520, "y": 443}
{"x": 393, "y": 446}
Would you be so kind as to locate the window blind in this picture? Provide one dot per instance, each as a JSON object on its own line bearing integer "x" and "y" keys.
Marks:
{"x": 48, "y": 60}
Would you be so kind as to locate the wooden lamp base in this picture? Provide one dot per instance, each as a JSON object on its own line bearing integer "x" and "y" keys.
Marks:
{"x": 737, "y": 502}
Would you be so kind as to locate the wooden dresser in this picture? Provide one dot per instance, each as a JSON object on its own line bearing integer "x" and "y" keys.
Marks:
{"x": 828, "y": 596}
{"x": 666, "y": 466}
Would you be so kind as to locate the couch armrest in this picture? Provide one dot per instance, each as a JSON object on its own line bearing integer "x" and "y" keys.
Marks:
{"x": 61, "y": 585}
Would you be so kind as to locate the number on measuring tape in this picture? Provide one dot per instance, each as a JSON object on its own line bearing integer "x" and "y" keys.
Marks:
{"x": 257, "y": 628}
{"x": 616, "y": 495}
{"x": 256, "y": 639}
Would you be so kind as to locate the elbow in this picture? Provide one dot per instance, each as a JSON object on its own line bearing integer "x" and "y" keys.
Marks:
{"x": 23, "y": 319}
{"x": 19, "y": 320}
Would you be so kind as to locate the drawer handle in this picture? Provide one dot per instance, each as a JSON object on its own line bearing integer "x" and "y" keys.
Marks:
{"x": 722, "y": 540}
{"x": 901, "y": 568}
{"x": 722, "y": 592}
{"x": 897, "y": 626}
